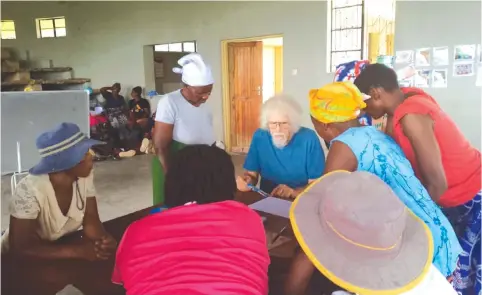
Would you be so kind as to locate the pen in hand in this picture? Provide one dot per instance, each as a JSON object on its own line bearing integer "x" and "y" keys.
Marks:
{"x": 257, "y": 190}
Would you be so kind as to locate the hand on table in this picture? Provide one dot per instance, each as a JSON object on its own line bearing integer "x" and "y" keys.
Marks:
{"x": 105, "y": 247}
{"x": 283, "y": 191}
{"x": 86, "y": 250}
{"x": 242, "y": 183}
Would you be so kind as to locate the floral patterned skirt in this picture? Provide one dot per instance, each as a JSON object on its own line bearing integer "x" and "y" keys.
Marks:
{"x": 466, "y": 220}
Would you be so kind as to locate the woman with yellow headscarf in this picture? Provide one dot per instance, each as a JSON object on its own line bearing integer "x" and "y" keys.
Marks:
{"x": 334, "y": 110}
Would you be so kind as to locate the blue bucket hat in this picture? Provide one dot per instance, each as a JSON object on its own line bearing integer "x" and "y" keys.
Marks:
{"x": 61, "y": 149}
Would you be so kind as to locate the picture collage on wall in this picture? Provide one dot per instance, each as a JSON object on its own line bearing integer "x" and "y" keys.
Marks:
{"x": 429, "y": 66}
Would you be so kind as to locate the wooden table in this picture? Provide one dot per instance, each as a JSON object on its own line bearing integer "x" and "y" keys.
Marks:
{"x": 40, "y": 276}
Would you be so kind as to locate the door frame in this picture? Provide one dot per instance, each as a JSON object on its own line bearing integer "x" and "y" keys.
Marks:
{"x": 225, "y": 82}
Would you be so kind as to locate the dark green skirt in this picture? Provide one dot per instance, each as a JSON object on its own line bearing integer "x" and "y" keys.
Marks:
{"x": 158, "y": 176}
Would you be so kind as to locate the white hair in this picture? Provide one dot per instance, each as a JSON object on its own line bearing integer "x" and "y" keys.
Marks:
{"x": 285, "y": 105}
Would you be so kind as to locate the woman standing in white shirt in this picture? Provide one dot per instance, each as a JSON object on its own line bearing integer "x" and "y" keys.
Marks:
{"x": 57, "y": 197}
{"x": 182, "y": 118}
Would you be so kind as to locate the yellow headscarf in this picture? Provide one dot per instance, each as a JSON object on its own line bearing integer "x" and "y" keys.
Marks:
{"x": 336, "y": 102}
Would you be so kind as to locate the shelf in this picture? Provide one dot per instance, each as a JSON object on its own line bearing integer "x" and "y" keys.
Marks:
{"x": 73, "y": 81}
{"x": 41, "y": 70}
{"x": 51, "y": 70}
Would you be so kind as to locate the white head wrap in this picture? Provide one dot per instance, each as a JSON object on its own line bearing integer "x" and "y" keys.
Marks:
{"x": 194, "y": 71}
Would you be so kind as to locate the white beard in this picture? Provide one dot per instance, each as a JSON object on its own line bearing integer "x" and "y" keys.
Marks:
{"x": 279, "y": 140}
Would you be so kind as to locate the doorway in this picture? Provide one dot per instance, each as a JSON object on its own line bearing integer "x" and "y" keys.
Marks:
{"x": 252, "y": 72}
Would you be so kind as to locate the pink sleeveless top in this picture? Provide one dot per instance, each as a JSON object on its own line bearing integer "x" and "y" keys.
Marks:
{"x": 461, "y": 161}
{"x": 217, "y": 248}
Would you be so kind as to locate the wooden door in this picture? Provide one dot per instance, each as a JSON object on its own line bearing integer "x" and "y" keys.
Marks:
{"x": 245, "y": 66}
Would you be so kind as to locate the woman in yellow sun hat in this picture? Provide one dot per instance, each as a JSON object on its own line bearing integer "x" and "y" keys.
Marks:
{"x": 370, "y": 245}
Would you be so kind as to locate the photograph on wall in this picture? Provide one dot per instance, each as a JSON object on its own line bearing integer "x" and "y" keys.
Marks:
{"x": 388, "y": 60}
{"x": 406, "y": 72}
{"x": 463, "y": 69}
{"x": 406, "y": 82}
{"x": 464, "y": 52}
{"x": 439, "y": 78}
{"x": 404, "y": 57}
{"x": 422, "y": 78}
{"x": 422, "y": 57}
{"x": 441, "y": 56}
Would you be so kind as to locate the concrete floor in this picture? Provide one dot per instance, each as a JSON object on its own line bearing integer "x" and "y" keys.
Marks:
{"x": 122, "y": 187}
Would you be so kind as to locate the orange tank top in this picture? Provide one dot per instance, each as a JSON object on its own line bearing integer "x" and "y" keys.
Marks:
{"x": 461, "y": 161}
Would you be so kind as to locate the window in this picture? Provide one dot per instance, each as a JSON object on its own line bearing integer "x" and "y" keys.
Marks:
{"x": 8, "y": 29}
{"x": 176, "y": 47}
{"x": 346, "y": 31}
{"x": 51, "y": 27}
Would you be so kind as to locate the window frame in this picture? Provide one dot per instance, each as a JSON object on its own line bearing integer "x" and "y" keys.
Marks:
{"x": 183, "y": 50}
{"x": 332, "y": 8}
{"x": 54, "y": 27}
{"x": 14, "y": 30}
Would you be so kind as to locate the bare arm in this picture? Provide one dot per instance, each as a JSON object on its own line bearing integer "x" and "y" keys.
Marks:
{"x": 340, "y": 157}
{"x": 104, "y": 90}
{"x": 147, "y": 112}
{"x": 24, "y": 241}
{"x": 93, "y": 228}
{"x": 299, "y": 276}
{"x": 389, "y": 126}
{"x": 162, "y": 140}
{"x": 419, "y": 131}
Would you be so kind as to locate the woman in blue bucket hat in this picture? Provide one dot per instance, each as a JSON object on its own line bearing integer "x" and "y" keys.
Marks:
{"x": 57, "y": 197}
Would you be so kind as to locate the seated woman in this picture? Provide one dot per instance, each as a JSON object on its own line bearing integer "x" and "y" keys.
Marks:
{"x": 57, "y": 197}
{"x": 366, "y": 245}
{"x": 205, "y": 243}
{"x": 140, "y": 116}
{"x": 139, "y": 108}
{"x": 285, "y": 155}
{"x": 334, "y": 110}
{"x": 123, "y": 133}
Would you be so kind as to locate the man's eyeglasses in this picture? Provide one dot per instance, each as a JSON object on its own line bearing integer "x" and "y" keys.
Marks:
{"x": 281, "y": 125}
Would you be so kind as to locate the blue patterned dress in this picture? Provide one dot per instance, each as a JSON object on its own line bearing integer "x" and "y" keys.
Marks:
{"x": 379, "y": 154}
{"x": 466, "y": 220}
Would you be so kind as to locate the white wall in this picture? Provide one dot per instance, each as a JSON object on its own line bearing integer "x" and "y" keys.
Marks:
{"x": 105, "y": 39}
{"x": 445, "y": 23}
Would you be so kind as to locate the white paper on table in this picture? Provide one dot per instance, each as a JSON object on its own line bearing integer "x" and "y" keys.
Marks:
{"x": 274, "y": 206}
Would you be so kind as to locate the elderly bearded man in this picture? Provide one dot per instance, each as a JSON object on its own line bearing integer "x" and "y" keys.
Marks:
{"x": 286, "y": 156}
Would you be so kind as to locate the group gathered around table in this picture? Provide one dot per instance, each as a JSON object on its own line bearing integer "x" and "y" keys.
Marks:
{"x": 391, "y": 210}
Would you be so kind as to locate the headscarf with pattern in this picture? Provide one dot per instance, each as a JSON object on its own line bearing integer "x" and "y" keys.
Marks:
{"x": 336, "y": 102}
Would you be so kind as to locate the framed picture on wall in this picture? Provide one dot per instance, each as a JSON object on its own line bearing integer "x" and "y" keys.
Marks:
{"x": 423, "y": 57}
{"x": 439, "y": 78}
{"x": 464, "y": 53}
{"x": 463, "y": 69}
